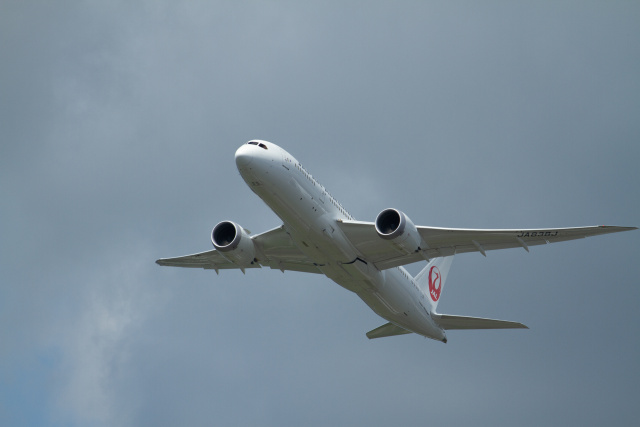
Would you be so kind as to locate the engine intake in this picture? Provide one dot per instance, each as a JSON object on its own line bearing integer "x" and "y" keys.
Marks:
{"x": 234, "y": 243}
{"x": 394, "y": 225}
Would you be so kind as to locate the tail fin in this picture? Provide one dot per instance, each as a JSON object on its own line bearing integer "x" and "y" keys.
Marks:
{"x": 431, "y": 279}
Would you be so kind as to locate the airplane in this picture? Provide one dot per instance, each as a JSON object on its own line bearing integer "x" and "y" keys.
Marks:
{"x": 318, "y": 235}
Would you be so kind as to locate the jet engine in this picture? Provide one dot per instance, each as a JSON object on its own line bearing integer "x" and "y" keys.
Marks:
{"x": 233, "y": 243}
{"x": 394, "y": 225}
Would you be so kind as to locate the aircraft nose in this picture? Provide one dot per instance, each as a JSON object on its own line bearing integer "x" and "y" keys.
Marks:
{"x": 244, "y": 156}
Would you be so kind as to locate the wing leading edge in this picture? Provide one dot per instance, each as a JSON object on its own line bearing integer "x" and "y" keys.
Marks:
{"x": 439, "y": 242}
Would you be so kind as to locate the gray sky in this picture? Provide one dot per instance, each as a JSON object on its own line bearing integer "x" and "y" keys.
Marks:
{"x": 118, "y": 125}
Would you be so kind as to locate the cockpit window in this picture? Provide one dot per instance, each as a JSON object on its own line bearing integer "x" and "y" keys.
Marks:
{"x": 259, "y": 144}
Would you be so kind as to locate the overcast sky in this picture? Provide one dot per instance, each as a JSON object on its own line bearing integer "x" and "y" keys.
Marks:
{"x": 118, "y": 125}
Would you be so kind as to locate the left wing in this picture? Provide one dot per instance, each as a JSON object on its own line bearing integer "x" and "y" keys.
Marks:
{"x": 439, "y": 242}
{"x": 209, "y": 260}
{"x": 274, "y": 249}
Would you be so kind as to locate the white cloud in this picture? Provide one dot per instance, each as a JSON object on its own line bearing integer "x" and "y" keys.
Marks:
{"x": 96, "y": 346}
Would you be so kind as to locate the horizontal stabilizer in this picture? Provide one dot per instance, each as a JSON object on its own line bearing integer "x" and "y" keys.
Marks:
{"x": 448, "y": 321}
{"x": 387, "y": 330}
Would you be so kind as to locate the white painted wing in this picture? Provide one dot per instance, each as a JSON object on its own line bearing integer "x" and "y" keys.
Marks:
{"x": 209, "y": 259}
{"x": 274, "y": 248}
{"x": 449, "y": 241}
{"x": 277, "y": 250}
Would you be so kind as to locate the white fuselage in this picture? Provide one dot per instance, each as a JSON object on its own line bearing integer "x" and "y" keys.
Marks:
{"x": 310, "y": 215}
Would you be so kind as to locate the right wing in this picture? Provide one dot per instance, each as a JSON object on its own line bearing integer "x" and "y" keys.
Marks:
{"x": 274, "y": 248}
{"x": 449, "y": 241}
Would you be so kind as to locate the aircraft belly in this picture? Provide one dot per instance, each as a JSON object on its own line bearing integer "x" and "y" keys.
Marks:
{"x": 311, "y": 225}
{"x": 306, "y": 218}
{"x": 395, "y": 302}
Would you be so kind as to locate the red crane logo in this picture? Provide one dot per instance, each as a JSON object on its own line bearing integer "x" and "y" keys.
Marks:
{"x": 435, "y": 283}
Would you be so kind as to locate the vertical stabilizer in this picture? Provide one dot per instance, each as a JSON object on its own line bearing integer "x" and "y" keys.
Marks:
{"x": 431, "y": 279}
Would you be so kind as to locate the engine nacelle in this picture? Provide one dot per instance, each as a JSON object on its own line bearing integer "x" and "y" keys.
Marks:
{"x": 394, "y": 225}
{"x": 233, "y": 243}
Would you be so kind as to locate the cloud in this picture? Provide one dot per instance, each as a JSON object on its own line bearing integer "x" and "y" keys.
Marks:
{"x": 95, "y": 345}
